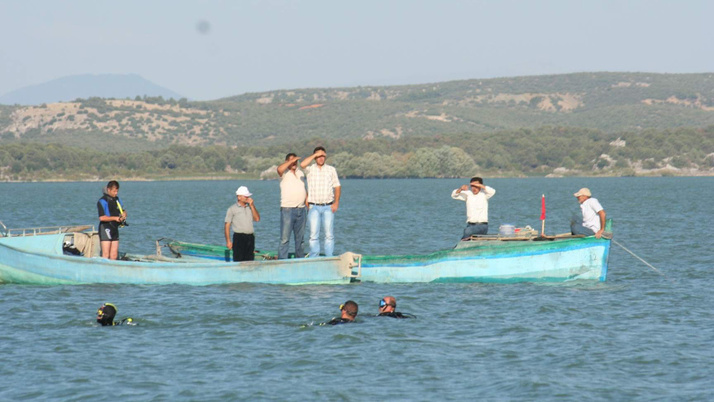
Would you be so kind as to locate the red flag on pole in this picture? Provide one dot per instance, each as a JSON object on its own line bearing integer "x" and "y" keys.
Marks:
{"x": 542, "y": 208}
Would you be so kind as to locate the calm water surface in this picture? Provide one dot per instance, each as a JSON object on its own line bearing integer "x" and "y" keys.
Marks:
{"x": 638, "y": 336}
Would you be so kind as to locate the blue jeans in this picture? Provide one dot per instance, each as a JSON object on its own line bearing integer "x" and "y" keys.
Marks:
{"x": 577, "y": 228}
{"x": 292, "y": 220}
{"x": 475, "y": 229}
{"x": 321, "y": 213}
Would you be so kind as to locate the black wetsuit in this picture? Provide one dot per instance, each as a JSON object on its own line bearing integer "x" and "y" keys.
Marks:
{"x": 108, "y": 206}
{"x": 126, "y": 321}
{"x": 396, "y": 314}
{"x": 336, "y": 321}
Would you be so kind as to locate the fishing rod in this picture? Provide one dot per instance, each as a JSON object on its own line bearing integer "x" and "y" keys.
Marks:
{"x": 639, "y": 258}
{"x": 121, "y": 212}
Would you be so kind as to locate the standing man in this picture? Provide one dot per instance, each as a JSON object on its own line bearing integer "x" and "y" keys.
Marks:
{"x": 111, "y": 217}
{"x": 239, "y": 218}
{"x": 476, "y": 196}
{"x": 323, "y": 196}
{"x": 593, "y": 215}
{"x": 293, "y": 213}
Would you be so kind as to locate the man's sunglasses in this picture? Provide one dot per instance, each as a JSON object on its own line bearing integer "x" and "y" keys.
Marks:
{"x": 383, "y": 303}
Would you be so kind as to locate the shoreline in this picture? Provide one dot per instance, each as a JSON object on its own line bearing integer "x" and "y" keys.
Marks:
{"x": 667, "y": 173}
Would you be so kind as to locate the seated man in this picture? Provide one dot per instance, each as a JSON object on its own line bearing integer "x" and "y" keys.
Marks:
{"x": 349, "y": 313}
{"x": 594, "y": 216}
{"x": 106, "y": 314}
{"x": 387, "y": 306}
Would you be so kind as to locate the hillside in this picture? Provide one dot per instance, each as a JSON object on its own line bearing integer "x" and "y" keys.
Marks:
{"x": 576, "y": 124}
{"x": 86, "y": 86}
{"x": 610, "y": 102}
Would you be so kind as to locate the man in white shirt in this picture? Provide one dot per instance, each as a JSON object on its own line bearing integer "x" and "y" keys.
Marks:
{"x": 293, "y": 213}
{"x": 476, "y": 196}
{"x": 593, "y": 215}
{"x": 323, "y": 197}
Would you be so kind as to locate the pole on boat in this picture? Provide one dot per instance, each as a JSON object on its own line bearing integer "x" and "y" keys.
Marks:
{"x": 542, "y": 215}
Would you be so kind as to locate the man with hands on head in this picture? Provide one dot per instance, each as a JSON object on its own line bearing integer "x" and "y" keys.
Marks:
{"x": 293, "y": 213}
{"x": 239, "y": 218}
{"x": 476, "y": 195}
{"x": 323, "y": 196}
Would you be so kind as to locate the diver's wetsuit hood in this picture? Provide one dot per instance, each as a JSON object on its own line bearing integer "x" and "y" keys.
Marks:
{"x": 106, "y": 314}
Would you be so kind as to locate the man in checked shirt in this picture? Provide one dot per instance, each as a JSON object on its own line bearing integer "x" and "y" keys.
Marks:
{"x": 323, "y": 199}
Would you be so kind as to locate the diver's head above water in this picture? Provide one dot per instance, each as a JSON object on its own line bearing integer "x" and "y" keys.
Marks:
{"x": 106, "y": 314}
{"x": 349, "y": 310}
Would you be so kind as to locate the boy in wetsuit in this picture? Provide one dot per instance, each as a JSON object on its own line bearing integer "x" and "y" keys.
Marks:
{"x": 111, "y": 217}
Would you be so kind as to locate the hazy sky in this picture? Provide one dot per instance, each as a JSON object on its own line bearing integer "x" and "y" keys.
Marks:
{"x": 211, "y": 49}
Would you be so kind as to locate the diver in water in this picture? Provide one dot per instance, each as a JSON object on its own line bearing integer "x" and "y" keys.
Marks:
{"x": 348, "y": 314}
{"x": 106, "y": 314}
{"x": 387, "y": 306}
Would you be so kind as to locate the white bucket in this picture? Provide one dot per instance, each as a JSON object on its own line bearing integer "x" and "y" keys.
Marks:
{"x": 506, "y": 230}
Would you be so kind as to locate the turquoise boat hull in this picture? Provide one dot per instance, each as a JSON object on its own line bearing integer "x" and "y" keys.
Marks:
{"x": 496, "y": 261}
{"x": 40, "y": 260}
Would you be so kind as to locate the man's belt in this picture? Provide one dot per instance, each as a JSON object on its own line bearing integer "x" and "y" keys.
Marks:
{"x": 320, "y": 205}
{"x": 478, "y": 223}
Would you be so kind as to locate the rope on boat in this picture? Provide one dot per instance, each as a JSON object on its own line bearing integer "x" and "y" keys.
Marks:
{"x": 639, "y": 258}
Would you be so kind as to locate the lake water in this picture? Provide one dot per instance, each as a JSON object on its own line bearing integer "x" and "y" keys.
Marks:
{"x": 642, "y": 335}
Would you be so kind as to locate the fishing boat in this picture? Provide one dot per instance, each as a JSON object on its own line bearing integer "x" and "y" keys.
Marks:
{"x": 524, "y": 256}
{"x": 70, "y": 255}
{"x": 496, "y": 259}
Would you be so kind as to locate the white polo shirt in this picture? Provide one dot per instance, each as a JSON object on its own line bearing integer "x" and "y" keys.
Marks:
{"x": 590, "y": 208}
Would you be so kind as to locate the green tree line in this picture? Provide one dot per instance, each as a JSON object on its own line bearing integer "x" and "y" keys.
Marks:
{"x": 504, "y": 153}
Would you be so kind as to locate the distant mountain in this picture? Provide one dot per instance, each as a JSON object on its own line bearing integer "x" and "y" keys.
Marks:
{"x": 86, "y": 86}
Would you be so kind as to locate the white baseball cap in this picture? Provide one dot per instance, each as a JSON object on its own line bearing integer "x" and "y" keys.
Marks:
{"x": 243, "y": 190}
{"x": 583, "y": 191}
